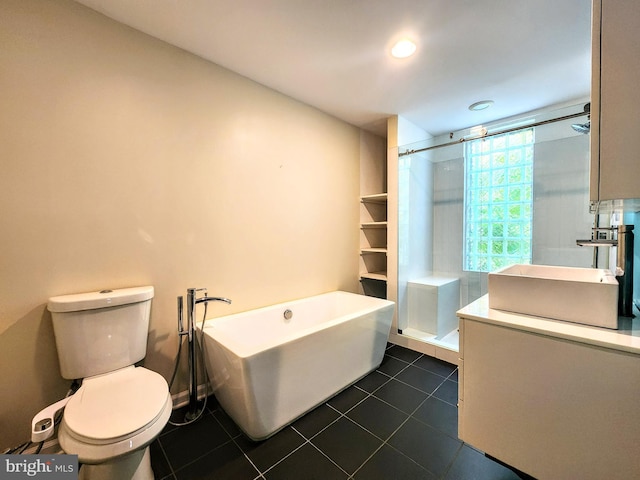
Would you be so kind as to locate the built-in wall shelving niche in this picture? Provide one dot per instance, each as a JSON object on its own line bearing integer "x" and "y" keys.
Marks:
{"x": 373, "y": 247}
{"x": 373, "y": 225}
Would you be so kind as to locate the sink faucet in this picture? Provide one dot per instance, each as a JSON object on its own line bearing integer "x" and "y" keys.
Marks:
{"x": 624, "y": 262}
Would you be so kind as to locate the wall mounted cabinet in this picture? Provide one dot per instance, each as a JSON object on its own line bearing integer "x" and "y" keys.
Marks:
{"x": 615, "y": 102}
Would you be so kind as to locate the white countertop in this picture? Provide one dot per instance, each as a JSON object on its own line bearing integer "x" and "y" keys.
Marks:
{"x": 626, "y": 338}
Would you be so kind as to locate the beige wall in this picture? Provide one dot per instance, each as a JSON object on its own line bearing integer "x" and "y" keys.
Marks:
{"x": 125, "y": 161}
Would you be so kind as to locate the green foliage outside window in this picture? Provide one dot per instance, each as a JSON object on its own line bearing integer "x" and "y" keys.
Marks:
{"x": 498, "y": 201}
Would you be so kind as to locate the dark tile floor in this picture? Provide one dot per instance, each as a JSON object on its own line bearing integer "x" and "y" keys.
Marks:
{"x": 398, "y": 422}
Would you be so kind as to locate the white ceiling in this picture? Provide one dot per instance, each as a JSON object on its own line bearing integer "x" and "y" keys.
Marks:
{"x": 333, "y": 54}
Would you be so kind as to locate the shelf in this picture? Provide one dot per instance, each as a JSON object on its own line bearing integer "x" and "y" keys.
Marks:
{"x": 373, "y": 225}
{"x": 374, "y": 276}
{"x": 373, "y": 250}
{"x": 376, "y": 198}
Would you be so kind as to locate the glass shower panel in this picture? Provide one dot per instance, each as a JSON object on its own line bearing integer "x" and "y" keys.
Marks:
{"x": 433, "y": 282}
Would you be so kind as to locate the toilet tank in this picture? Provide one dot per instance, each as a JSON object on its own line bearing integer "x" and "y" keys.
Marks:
{"x": 99, "y": 332}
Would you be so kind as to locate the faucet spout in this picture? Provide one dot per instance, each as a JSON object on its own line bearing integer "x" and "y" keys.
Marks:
{"x": 213, "y": 299}
{"x": 597, "y": 243}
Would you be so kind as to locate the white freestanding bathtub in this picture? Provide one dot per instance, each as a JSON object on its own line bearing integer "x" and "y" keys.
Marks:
{"x": 267, "y": 370}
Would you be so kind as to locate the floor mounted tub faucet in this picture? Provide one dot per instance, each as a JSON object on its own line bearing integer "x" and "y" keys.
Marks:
{"x": 192, "y": 301}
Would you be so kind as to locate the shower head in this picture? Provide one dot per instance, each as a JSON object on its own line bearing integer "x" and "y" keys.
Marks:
{"x": 582, "y": 127}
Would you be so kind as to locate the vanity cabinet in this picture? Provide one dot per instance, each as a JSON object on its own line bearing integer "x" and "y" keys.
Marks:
{"x": 553, "y": 399}
{"x": 615, "y": 100}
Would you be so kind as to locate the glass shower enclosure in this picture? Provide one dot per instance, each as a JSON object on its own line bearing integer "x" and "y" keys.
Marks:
{"x": 472, "y": 201}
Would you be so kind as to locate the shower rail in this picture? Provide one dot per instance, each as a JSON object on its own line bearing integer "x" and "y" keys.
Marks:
{"x": 493, "y": 134}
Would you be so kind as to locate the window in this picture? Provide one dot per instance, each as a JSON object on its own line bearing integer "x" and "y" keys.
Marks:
{"x": 498, "y": 201}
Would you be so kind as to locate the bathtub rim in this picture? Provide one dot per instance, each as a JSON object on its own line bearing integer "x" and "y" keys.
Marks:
{"x": 244, "y": 352}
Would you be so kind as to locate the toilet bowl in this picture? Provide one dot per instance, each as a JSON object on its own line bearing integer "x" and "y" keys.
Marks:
{"x": 113, "y": 416}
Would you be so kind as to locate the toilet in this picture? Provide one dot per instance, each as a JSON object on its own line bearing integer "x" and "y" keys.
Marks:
{"x": 120, "y": 408}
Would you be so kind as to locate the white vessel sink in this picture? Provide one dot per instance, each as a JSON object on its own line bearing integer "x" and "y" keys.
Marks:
{"x": 582, "y": 295}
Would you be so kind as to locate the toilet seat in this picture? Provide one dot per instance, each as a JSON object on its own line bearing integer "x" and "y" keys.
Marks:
{"x": 115, "y": 413}
{"x": 110, "y": 407}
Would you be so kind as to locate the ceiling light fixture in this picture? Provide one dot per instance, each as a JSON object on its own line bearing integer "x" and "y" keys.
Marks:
{"x": 476, "y": 107}
{"x": 403, "y": 49}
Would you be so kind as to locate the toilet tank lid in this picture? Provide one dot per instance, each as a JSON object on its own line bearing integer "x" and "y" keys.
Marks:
{"x": 102, "y": 299}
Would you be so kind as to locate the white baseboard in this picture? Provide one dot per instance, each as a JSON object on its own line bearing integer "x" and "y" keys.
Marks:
{"x": 181, "y": 399}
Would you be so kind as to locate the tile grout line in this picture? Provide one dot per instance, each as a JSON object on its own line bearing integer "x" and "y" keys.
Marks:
{"x": 409, "y": 416}
{"x": 368, "y": 458}
{"x": 387, "y": 379}
{"x": 344, "y": 415}
{"x": 431, "y": 395}
{"x": 416, "y": 388}
{"x": 329, "y": 458}
{"x": 209, "y": 452}
{"x": 385, "y": 441}
{"x": 453, "y": 460}
{"x": 166, "y": 457}
{"x": 306, "y": 441}
{"x": 421, "y": 368}
{"x": 231, "y": 439}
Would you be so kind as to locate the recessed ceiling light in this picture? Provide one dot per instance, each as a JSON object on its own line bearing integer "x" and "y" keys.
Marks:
{"x": 475, "y": 107}
{"x": 403, "y": 49}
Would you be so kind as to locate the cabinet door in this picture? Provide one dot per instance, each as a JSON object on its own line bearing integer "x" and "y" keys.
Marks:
{"x": 615, "y": 147}
{"x": 553, "y": 408}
